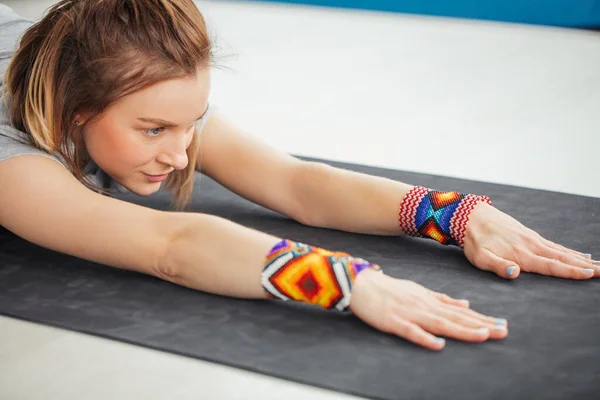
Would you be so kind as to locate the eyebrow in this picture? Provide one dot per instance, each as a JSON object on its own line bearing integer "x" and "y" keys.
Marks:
{"x": 168, "y": 124}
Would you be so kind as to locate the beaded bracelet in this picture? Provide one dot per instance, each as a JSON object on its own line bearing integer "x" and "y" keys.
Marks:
{"x": 296, "y": 271}
{"x": 441, "y": 216}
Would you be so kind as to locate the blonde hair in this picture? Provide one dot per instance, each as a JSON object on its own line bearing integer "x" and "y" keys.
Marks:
{"x": 83, "y": 55}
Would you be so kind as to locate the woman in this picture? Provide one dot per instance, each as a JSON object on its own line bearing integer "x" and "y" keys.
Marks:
{"x": 112, "y": 95}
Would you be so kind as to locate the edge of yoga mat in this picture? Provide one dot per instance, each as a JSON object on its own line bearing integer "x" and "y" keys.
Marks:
{"x": 212, "y": 360}
{"x": 178, "y": 353}
{"x": 421, "y": 178}
{"x": 561, "y": 13}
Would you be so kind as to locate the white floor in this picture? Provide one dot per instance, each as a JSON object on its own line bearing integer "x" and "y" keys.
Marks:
{"x": 494, "y": 102}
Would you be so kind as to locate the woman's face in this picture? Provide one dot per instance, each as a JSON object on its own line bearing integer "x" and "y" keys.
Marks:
{"x": 143, "y": 137}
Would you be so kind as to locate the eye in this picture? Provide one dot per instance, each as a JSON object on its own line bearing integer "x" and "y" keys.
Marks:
{"x": 154, "y": 131}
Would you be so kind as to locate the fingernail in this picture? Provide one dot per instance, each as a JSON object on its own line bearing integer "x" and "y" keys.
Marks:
{"x": 438, "y": 340}
{"x": 588, "y": 271}
{"x": 510, "y": 270}
{"x": 482, "y": 330}
{"x": 587, "y": 255}
{"x": 464, "y": 301}
{"x": 501, "y": 321}
{"x": 596, "y": 262}
{"x": 500, "y": 328}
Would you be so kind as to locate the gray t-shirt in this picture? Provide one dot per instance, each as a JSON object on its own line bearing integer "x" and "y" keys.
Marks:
{"x": 12, "y": 141}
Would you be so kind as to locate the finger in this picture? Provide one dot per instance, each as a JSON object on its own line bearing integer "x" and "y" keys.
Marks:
{"x": 441, "y": 326}
{"x": 444, "y": 298}
{"x": 489, "y": 261}
{"x": 550, "y": 267}
{"x": 480, "y": 317}
{"x": 497, "y": 328}
{"x": 567, "y": 258}
{"x": 414, "y": 333}
{"x": 583, "y": 256}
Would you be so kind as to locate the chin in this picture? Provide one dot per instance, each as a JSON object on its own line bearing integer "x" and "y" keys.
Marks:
{"x": 146, "y": 190}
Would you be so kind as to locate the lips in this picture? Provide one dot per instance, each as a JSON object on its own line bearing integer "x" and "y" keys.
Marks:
{"x": 157, "y": 178}
{"x": 158, "y": 175}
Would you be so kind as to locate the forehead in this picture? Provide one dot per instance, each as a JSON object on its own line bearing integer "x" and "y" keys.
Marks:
{"x": 178, "y": 100}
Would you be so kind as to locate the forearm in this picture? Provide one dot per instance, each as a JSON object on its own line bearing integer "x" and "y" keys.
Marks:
{"x": 215, "y": 255}
{"x": 212, "y": 254}
{"x": 350, "y": 201}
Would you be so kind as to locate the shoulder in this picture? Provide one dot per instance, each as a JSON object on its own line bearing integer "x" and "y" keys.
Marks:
{"x": 14, "y": 143}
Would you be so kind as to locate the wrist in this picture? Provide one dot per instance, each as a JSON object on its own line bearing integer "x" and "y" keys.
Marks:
{"x": 478, "y": 221}
{"x": 299, "y": 272}
{"x": 441, "y": 216}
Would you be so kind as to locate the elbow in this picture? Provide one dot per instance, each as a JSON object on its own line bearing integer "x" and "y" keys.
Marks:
{"x": 173, "y": 229}
{"x": 301, "y": 215}
{"x": 310, "y": 180}
{"x": 181, "y": 253}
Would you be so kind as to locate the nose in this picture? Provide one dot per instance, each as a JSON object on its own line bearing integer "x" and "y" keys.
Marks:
{"x": 173, "y": 152}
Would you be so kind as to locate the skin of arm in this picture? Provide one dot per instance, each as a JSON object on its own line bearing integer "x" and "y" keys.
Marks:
{"x": 312, "y": 193}
{"x": 319, "y": 195}
{"x": 206, "y": 252}
{"x": 200, "y": 251}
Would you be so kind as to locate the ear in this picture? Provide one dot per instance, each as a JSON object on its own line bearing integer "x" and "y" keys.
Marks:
{"x": 81, "y": 118}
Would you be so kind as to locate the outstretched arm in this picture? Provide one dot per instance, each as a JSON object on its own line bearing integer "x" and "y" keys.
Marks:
{"x": 212, "y": 254}
{"x": 310, "y": 193}
{"x": 492, "y": 240}
{"x": 320, "y": 195}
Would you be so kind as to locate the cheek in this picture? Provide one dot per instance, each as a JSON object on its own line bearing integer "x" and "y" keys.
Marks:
{"x": 108, "y": 144}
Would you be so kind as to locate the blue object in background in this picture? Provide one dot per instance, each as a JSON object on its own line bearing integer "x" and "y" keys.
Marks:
{"x": 567, "y": 13}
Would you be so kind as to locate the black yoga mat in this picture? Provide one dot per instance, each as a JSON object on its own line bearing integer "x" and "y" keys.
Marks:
{"x": 552, "y": 352}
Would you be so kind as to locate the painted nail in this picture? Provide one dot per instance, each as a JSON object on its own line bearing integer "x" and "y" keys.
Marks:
{"x": 439, "y": 340}
{"x": 587, "y": 255}
{"x": 510, "y": 270}
{"x": 482, "y": 330}
{"x": 500, "y": 321}
{"x": 596, "y": 262}
{"x": 500, "y": 328}
{"x": 588, "y": 271}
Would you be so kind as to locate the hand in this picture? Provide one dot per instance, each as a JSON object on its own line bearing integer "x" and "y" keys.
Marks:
{"x": 494, "y": 241}
{"x": 409, "y": 310}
